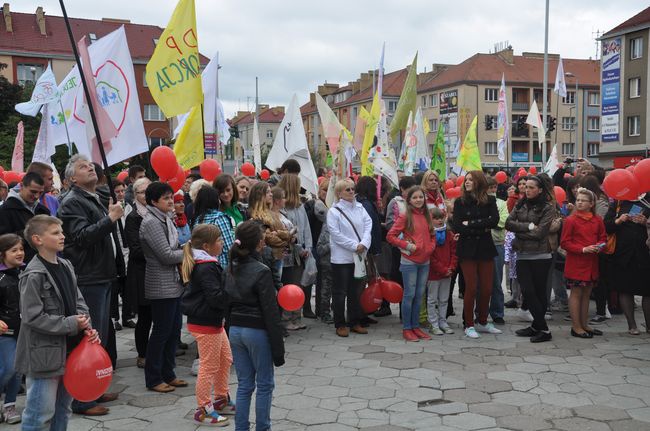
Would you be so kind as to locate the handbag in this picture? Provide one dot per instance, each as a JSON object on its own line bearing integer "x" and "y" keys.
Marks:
{"x": 610, "y": 245}
{"x": 360, "y": 270}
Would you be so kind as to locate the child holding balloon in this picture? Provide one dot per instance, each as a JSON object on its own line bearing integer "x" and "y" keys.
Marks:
{"x": 205, "y": 303}
{"x": 12, "y": 254}
{"x": 53, "y": 313}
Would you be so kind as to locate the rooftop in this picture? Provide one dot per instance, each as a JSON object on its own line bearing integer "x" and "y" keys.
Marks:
{"x": 638, "y": 21}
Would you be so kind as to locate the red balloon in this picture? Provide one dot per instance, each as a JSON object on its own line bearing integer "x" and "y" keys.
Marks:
{"x": 500, "y": 177}
{"x": 11, "y": 177}
{"x": 454, "y": 192}
{"x": 641, "y": 172}
{"x": 532, "y": 170}
{"x": 210, "y": 169}
{"x": 621, "y": 184}
{"x": 522, "y": 172}
{"x": 122, "y": 176}
{"x": 460, "y": 180}
{"x": 2, "y": 171}
{"x": 177, "y": 181}
{"x": 560, "y": 194}
{"x": 448, "y": 184}
{"x": 291, "y": 297}
{"x": 371, "y": 298}
{"x": 391, "y": 291}
{"x": 265, "y": 174}
{"x": 88, "y": 371}
{"x": 248, "y": 169}
{"x": 163, "y": 161}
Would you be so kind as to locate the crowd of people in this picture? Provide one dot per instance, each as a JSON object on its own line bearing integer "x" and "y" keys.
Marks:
{"x": 218, "y": 252}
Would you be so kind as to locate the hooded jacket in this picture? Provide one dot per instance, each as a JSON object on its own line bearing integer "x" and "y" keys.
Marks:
{"x": 14, "y": 215}
{"x": 424, "y": 242}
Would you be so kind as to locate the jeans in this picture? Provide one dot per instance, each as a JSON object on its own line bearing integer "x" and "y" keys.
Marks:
{"x": 98, "y": 299}
{"x": 346, "y": 288}
{"x": 437, "y": 300}
{"x": 497, "y": 301}
{"x": 251, "y": 351}
{"x": 415, "y": 277}
{"x": 532, "y": 276}
{"x": 9, "y": 379}
{"x": 161, "y": 349}
{"x": 47, "y": 406}
{"x": 556, "y": 283}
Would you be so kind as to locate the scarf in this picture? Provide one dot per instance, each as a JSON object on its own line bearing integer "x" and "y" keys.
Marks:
{"x": 172, "y": 233}
{"x": 180, "y": 220}
{"x": 585, "y": 215}
{"x": 141, "y": 209}
{"x": 441, "y": 234}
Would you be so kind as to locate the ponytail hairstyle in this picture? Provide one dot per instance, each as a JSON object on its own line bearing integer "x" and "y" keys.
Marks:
{"x": 201, "y": 234}
{"x": 7, "y": 242}
{"x": 247, "y": 237}
{"x": 592, "y": 197}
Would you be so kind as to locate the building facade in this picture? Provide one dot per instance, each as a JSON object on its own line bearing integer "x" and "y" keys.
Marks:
{"x": 242, "y": 124}
{"x": 30, "y": 41}
{"x": 625, "y": 67}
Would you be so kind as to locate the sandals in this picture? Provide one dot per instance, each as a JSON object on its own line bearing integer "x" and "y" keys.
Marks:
{"x": 162, "y": 388}
{"x": 178, "y": 383}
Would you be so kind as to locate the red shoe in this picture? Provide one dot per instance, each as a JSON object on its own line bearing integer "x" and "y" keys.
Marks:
{"x": 421, "y": 334}
{"x": 409, "y": 335}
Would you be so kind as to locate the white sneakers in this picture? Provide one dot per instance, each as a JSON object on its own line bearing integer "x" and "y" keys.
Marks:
{"x": 471, "y": 333}
{"x": 524, "y": 315}
{"x": 488, "y": 328}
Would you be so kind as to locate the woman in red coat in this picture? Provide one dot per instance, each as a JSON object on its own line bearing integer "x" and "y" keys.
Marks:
{"x": 583, "y": 237}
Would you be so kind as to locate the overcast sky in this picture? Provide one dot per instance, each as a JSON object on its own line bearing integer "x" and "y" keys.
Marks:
{"x": 295, "y": 45}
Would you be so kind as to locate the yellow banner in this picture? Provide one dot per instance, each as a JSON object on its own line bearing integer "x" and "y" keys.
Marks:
{"x": 174, "y": 71}
{"x": 372, "y": 118}
{"x": 189, "y": 147}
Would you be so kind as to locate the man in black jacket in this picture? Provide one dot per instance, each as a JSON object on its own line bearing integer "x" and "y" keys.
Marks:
{"x": 91, "y": 245}
{"x": 21, "y": 206}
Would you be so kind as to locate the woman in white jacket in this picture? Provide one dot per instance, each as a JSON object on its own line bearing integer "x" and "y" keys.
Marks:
{"x": 349, "y": 225}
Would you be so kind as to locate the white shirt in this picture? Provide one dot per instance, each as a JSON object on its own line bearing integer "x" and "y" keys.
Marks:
{"x": 343, "y": 240}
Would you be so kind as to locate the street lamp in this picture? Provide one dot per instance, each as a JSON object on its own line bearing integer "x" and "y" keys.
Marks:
{"x": 575, "y": 124}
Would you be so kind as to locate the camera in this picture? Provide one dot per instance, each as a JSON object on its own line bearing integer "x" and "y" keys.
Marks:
{"x": 568, "y": 160}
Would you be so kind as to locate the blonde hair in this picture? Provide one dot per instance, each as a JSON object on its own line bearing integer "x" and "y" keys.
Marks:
{"x": 426, "y": 176}
{"x": 201, "y": 234}
{"x": 592, "y": 197}
{"x": 196, "y": 186}
{"x": 342, "y": 185}
{"x": 37, "y": 225}
{"x": 290, "y": 183}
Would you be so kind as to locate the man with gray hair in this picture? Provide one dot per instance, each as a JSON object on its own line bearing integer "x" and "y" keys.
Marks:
{"x": 91, "y": 245}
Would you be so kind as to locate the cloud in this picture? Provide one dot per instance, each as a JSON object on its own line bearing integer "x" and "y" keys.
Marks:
{"x": 295, "y": 45}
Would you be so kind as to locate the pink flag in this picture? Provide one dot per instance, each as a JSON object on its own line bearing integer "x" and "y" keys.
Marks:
{"x": 17, "y": 158}
{"x": 106, "y": 127}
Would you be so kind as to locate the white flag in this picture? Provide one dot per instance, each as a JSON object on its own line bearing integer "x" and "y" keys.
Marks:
{"x": 503, "y": 124}
{"x": 560, "y": 83}
{"x": 422, "y": 154}
{"x": 224, "y": 129}
{"x": 45, "y": 91}
{"x": 291, "y": 143}
{"x": 535, "y": 120}
{"x": 551, "y": 164}
{"x": 381, "y": 155}
{"x": 257, "y": 150}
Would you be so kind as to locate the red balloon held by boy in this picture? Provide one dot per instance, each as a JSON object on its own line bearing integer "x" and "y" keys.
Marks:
{"x": 88, "y": 371}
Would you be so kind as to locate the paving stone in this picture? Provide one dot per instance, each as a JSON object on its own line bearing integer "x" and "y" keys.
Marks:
{"x": 385, "y": 428}
{"x": 601, "y": 413}
{"x": 419, "y": 395}
{"x": 340, "y": 356}
{"x": 449, "y": 383}
{"x": 544, "y": 360}
{"x": 369, "y": 348}
{"x": 462, "y": 359}
{"x": 642, "y": 414}
{"x": 309, "y": 381}
{"x": 400, "y": 364}
{"x": 416, "y": 419}
{"x": 523, "y": 423}
{"x": 372, "y": 392}
{"x": 336, "y": 372}
{"x": 493, "y": 409}
{"x": 602, "y": 379}
{"x": 320, "y": 363}
{"x": 527, "y": 367}
{"x": 469, "y": 421}
{"x": 489, "y": 386}
{"x": 331, "y": 427}
{"x": 446, "y": 408}
{"x": 508, "y": 376}
{"x": 312, "y": 416}
{"x": 616, "y": 401}
{"x": 630, "y": 390}
{"x": 546, "y": 411}
{"x": 516, "y": 398}
{"x": 287, "y": 389}
{"x": 353, "y": 382}
{"x": 297, "y": 401}
{"x": 629, "y": 425}
{"x": 378, "y": 372}
{"x": 562, "y": 399}
{"x": 154, "y": 400}
{"x": 383, "y": 356}
{"x": 571, "y": 368}
{"x": 421, "y": 374}
{"x": 466, "y": 375}
{"x": 404, "y": 406}
{"x": 502, "y": 360}
{"x": 325, "y": 392}
{"x": 360, "y": 363}
{"x": 579, "y": 424}
{"x": 441, "y": 366}
{"x": 468, "y": 396}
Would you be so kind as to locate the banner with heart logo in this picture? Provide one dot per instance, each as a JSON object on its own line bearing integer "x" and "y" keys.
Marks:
{"x": 115, "y": 87}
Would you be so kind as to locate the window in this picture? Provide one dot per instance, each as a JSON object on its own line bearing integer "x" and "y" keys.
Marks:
{"x": 156, "y": 142}
{"x": 490, "y": 148}
{"x": 634, "y": 126}
{"x": 144, "y": 79}
{"x": 392, "y": 105}
{"x": 153, "y": 113}
{"x": 155, "y": 41}
{"x": 593, "y": 124}
{"x": 570, "y": 98}
{"x": 490, "y": 122}
{"x": 636, "y": 48}
{"x": 593, "y": 98}
{"x": 424, "y": 101}
{"x": 568, "y": 148}
{"x": 29, "y": 73}
{"x": 634, "y": 87}
{"x": 269, "y": 134}
{"x": 433, "y": 100}
{"x": 592, "y": 148}
{"x": 491, "y": 94}
{"x": 433, "y": 125}
{"x": 568, "y": 123}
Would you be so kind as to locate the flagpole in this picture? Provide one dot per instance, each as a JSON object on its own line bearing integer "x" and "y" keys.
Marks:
{"x": 91, "y": 109}
{"x": 203, "y": 131}
{"x": 545, "y": 104}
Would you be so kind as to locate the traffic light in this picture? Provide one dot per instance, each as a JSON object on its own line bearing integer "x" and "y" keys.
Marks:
{"x": 521, "y": 123}
{"x": 234, "y": 131}
{"x": 488, "y": 122}
{"x": 551, "y": 123}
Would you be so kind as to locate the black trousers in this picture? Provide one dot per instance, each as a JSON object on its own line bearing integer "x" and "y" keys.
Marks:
{"x": 346, "y": 289}
{"x": 142, "y": 329}
{"x": 532, "y": 276}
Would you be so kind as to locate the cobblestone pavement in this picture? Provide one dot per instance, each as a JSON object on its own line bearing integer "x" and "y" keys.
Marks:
{"x": 379, "y": 382}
